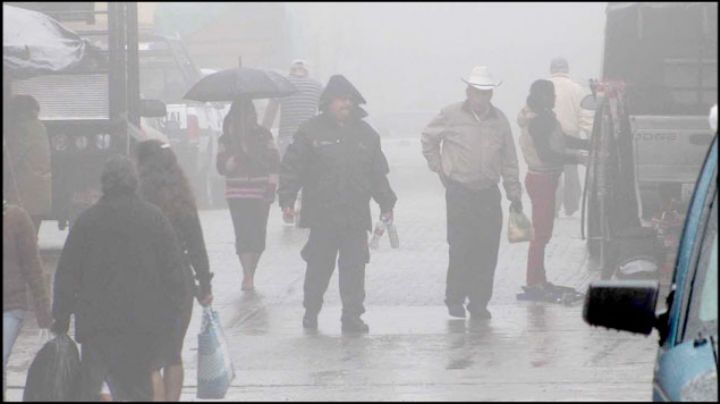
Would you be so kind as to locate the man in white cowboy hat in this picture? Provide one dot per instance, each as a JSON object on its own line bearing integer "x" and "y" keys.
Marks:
{"x": 470, "y": 145}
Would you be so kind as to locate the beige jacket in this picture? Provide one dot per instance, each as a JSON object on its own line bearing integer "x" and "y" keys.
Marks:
{"x": 22, "y": 266}
{"x": 556, "y": 142}
{"x": 475, "y": 152}
{"x": 568, "y": 95}
{"x": 29, "y": 178}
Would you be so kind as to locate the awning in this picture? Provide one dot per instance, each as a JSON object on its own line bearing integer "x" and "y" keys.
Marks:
{"x": 623, "y": 6}
{"x": 36, "y": 44}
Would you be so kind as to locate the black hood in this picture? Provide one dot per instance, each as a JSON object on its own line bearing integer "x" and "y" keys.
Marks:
{"x": 339, "y": 86}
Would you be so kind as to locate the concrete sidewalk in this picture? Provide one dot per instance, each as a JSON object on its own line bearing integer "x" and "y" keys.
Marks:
{"x": 528, "y": 351}
{"x": 415, "y": 351}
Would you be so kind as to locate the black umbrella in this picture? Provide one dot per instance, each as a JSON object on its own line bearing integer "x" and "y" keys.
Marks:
{"x": 240, "y": 82}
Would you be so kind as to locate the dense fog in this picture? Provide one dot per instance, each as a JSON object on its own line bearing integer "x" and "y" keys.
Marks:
{"x": 193, "y": 193}
{"x": 411, "y": 56}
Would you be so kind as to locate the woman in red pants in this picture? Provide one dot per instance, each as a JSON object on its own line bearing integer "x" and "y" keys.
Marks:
{"x": 546, "y": 151}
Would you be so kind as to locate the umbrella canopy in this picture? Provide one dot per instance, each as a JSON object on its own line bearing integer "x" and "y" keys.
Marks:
{"x": 240, "y": 82}
{"x": 36, "y": 44}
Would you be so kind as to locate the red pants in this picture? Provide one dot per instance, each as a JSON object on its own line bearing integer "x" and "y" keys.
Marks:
{"x": 541, "y": 188}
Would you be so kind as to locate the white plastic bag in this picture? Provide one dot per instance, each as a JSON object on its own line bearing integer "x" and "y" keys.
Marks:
{"x": 215, "y": 369}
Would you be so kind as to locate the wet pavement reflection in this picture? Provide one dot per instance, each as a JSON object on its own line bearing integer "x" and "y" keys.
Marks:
{"x": 414, "y": 351}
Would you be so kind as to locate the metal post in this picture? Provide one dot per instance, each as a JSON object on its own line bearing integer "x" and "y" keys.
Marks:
{"x": 133, "y": 69}
{"x": 114, "y": 58}
{"x": 117, "y": 40}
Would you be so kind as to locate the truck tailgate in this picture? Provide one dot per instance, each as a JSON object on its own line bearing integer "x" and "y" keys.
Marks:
{"x": 669, "y": 148}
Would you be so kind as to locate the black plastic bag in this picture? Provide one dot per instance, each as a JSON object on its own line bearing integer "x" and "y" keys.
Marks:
{"x": 55, "y": 372}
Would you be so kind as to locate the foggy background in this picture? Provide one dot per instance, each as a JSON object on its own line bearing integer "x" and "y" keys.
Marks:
{"x": 403, "y": 57}
{"x": 411, "y": 56}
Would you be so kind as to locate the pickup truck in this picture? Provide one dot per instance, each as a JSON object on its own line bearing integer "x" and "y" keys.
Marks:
{"x": 686, "y": 363}
{"x": 659, "y": 79}
{"x": 192, "y": 128}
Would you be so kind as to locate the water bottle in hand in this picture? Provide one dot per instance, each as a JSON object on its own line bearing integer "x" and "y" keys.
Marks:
{"x": 377, "y": 234}
{"x": 392, "y": 233}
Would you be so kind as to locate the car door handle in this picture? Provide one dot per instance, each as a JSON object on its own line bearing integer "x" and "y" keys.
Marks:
{"x": 701, "y": 139}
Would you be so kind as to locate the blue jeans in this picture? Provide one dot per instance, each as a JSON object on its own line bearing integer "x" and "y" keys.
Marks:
{"x": 12, "y": 323}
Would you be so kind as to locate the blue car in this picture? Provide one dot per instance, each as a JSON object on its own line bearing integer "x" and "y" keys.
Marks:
{"x": 686, "y": 365}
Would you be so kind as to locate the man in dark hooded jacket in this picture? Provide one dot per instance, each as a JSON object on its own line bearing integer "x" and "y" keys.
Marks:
{"x": 121, "y": 274}
{"x": 337, "y": 161}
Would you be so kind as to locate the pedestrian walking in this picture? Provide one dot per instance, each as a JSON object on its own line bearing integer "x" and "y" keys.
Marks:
{"x": 546, "y": 150}
{"x": 470, "y": 145}
{"x": 248, "y": 158}
{"x": 296, "y": 108}
{"x": 163, "y": 183}
{"x": 22, "y": 268}
{"x": 29, "y": 153}
{"x": 574, "y": 121}
{"x": 121, "y": 275}
{"x": 337, "y": 162}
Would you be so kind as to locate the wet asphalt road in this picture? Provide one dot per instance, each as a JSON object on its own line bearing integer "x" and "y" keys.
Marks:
{"x": 415, "y": 351}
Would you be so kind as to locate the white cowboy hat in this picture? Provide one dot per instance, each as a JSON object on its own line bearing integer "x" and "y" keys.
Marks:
{"x": 481, "y": 79}
{"x": 300, "y": 63}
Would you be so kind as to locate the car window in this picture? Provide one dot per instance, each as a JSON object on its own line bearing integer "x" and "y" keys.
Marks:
{"x": 703, "y": 311}
{"x": 161, "y": 78}
{"x": 183, "y": 59}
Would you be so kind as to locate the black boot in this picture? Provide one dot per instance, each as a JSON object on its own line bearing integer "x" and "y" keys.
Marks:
{"x": 354, "y": 325}
{"x": 456, "y": 310}
{"x": 310, "y": 321}
{"x": 480, "y": 313}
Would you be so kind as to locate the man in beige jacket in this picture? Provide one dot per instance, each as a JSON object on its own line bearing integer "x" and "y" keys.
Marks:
{"x": 470, "y": 145}
{"x": 576, "y": 122}
{"x": 29, "y": 176}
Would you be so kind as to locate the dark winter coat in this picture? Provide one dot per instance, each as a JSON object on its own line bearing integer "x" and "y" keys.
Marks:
{"x": 190, "y": 236}
{"x": 120, "y": 271}
{"x": 339, "y": 86}
{"x": 339, "y": 169}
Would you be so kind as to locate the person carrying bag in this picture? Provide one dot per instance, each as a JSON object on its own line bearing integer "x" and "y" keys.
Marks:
{"x": 520, "y": 228}
{"x": 215, "y": 368}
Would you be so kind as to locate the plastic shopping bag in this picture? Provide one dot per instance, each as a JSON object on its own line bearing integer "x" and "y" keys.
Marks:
{"x": 55, "y": 372}
{"x": 215, "y": 369}
{"x": 519, "y": 228}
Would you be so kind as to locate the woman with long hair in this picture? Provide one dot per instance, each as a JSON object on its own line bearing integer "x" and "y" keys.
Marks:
{"x": 249, "y": 159}
{"x": 163, "y": 183}
{"x": 546, "y": 151}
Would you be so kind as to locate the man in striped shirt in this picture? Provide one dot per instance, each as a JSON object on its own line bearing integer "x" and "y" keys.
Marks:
{"x": 296, "y": 108}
